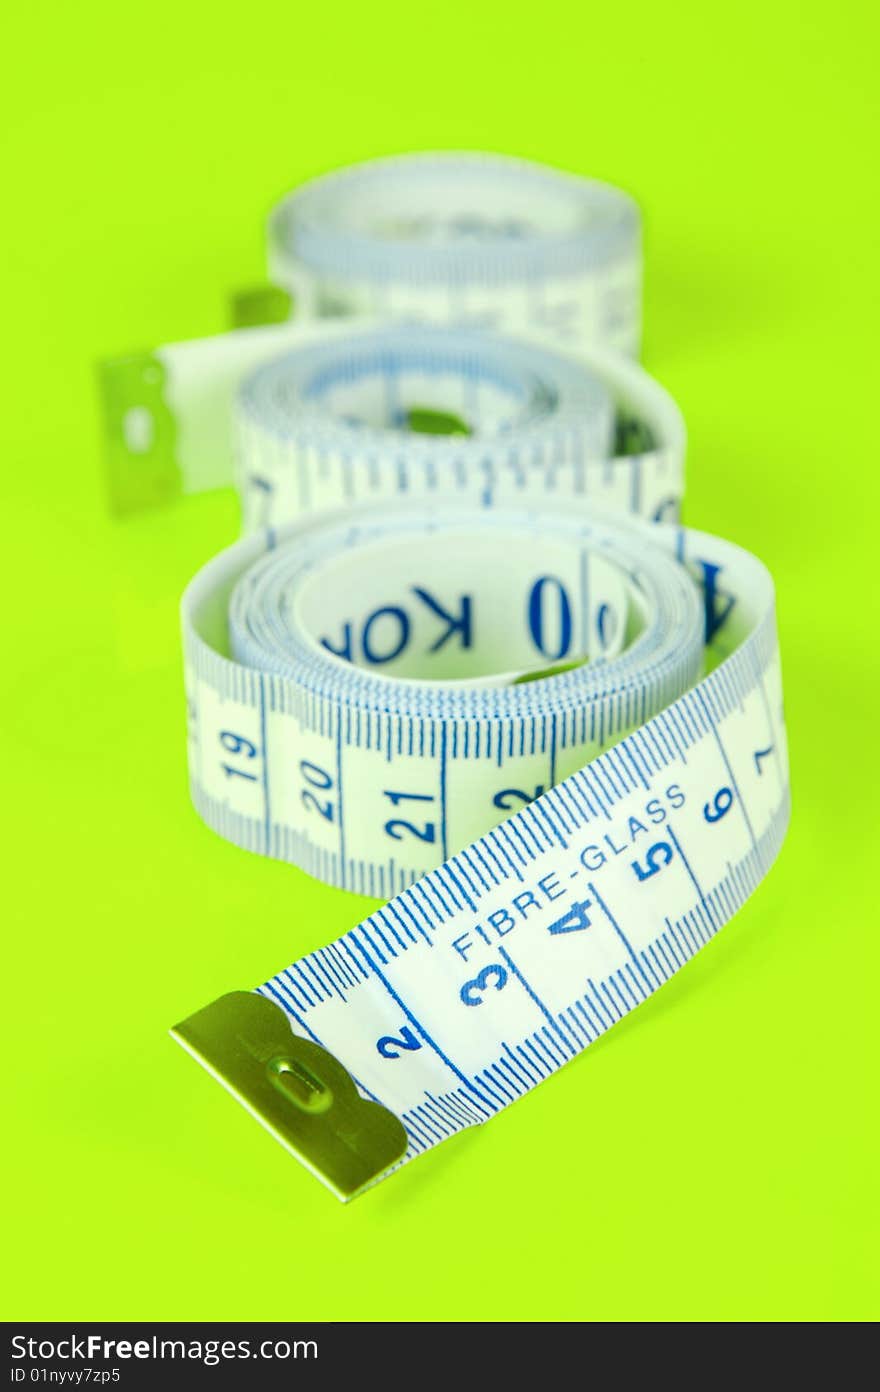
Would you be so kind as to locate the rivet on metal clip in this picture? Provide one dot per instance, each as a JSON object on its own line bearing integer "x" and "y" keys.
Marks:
{"x": 296, "y": 1089}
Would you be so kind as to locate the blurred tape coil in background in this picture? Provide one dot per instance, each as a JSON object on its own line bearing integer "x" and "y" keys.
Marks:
{"x": 475, "y": 242}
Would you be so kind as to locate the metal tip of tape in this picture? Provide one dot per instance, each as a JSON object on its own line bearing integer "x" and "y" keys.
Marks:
{"x": 296, "y": 1089}
{"x": 142, "y": 468}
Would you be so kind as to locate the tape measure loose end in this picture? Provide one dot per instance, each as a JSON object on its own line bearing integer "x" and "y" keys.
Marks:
{"x": 296, "y": 1089}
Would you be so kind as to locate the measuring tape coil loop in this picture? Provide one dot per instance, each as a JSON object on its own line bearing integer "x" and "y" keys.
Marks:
{"x": 370, "y": 698}
{"x": 470, "y": 239}
{"x": 436, "y": 413}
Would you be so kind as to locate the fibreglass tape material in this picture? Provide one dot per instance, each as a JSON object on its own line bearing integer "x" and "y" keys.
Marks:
{"x": 307, "y": 417}
{"x": 327, "y": 425}
{"x": 330, "y": 424}
{"x": 475, "y": 240}
{"x": 651, "y": 800}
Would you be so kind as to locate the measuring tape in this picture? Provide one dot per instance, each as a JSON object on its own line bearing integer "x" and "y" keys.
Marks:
{"x": 473, "y": 240}
{"x": 554, "y": 737}
{"x": 476, "y": 241}
{"x": 307, "y": 418}
{"x": 438, "y": 413}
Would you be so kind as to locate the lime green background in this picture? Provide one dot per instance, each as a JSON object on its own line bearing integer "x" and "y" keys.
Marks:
{"x": 714, "y": 1158}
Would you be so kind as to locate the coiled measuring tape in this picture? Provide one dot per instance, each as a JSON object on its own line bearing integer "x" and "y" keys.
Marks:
{"x": 473, "y": 240}
{"x": 554, "y": 737}
{"x": 439, "y": 413}
{"x": 310, "y": 419}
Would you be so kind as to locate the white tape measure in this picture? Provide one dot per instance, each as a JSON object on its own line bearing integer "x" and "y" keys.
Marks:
{"x": 475, "y": 240}
{"x": 373, "y": 696}
{"x": 308, "y": 418}
{"x": 437, "y": 413}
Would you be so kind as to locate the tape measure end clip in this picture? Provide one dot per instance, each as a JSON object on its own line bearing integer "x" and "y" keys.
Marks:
{"x": 296, "y": 1089}
{"x": 140, "y": 434}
